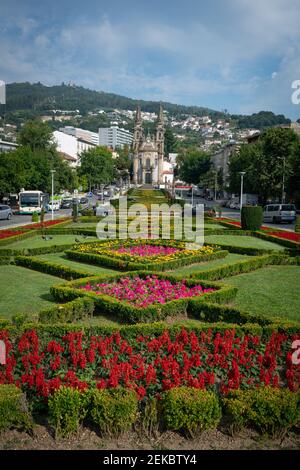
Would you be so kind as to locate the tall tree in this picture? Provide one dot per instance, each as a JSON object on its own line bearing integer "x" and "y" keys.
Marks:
{"x": 37, "y": 135}
{"x": 170, "y": 142}
{"x": 193, "y": 164}
{"x": 97, "y": 165}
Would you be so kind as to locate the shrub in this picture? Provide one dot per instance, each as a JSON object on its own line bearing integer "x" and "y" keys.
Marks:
{"x": 251, "y": 217}
{"x": 13, "y": 409}
{"x": 114, "y": 410}
{"x": 69, "y": 312}
{"x": 67, "y": 409}
{"x": 297, "y": 228}
{"x": 270, "y": 410}
{"x": 35, "y": 217}
{"x": 60, "y": 270}
{"x": 190, "y": 410}
{"x": 75, "y": 212}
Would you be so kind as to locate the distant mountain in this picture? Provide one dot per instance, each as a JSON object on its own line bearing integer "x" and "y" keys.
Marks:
{"x": 36, "y": 96}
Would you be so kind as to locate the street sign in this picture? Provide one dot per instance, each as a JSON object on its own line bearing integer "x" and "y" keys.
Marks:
{"x": 90, "y": 194}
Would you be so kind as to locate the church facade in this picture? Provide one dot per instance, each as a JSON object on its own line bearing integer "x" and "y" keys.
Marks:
{"x": 148, "y": 152}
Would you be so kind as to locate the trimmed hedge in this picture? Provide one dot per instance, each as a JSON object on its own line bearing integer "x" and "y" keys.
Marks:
{"x": 16, "y": 238}
{"x": 251, "y": 217}
{"x": 114, "y": 410}
{"x": 77, "y": 309}
{"x": 242, "y": 250}
{"x": 67, "y": 409}
{"x": 119, "y": 264}
{"x": 244, "y": 266}
{"x": 270, "y": 410}
{"x": 13, "y": 409}
{"x": 59, "y": 270}
{"x": 131, "y": 314}
{"x": 278, "y": 240}
{"x": 190, "y": 410}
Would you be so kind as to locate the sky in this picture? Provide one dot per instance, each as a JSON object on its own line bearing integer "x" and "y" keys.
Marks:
{"x": 239, "y": 55}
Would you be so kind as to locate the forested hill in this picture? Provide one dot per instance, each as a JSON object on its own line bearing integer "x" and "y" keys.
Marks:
{"x": 26, "y": 96}
{"x": 38, "y": 98}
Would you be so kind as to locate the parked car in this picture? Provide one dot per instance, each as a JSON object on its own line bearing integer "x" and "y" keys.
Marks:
{"x": 5, "y": 212}
{"x": 66, "y": 203}
{"x": 55, "y": 205}
{"x": 103, "y": 210}
{"x": 278, "y": 213}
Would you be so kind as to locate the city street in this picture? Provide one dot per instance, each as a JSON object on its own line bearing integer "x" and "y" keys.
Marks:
{"x": 19, "y": 220}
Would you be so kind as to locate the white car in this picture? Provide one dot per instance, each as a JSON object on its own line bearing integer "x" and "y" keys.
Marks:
{"x": 277, "y": 213}
{"x": 55, "y": 205}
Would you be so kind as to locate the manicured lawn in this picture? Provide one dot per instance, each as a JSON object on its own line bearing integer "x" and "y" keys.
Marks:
{"x": 60, "y": 258}
{"x": 238, "y": 240}
{"x": 24, "y": 291}
{"x": 231, "y": 258}
{"x": 214, "y": 227}
{"x": 272, "y": 291}
{"x": 38, "y": 241}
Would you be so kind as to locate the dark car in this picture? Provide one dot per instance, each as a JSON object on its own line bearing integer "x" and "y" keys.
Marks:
{"x": 66, "y": 203}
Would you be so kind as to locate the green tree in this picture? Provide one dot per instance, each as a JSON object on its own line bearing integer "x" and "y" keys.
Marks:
{"x": 193, "y": 164}
{"x": 264, "y": 163}
{"x": 170, "y": 142}
{"x": 37, "y": 135}
{"x": 97, "y": 165}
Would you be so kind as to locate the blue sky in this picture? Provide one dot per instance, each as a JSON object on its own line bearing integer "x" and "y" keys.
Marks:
{"x": 239, "y": 55}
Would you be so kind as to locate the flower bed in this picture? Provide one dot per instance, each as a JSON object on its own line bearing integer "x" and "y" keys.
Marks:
{"x": 294, "y": 237}
{"x": 158, "y": 255}
{"x": 154, "y": 303}
{"x": 148, "y": 361}
{"x": 143, "y": 292}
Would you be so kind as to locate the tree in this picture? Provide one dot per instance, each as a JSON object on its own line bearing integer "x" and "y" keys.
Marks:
{"x": 97, "y": 165}
{"x": 264, "y": 162}
{"x": 123, "y": 162}
{"x": 293, "y": 182}
{"x": 193, "y": 164}
{"x": 170, "y": 142}
{"x": 36, "y": 135}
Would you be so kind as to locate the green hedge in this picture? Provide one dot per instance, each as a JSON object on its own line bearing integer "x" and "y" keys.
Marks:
{"x": 297, "y": 228}
{"x": 67, "y": 409}
{"x": 114, "y": 411}
{"x": 270, "y": 410}
{"x": 116, "y": 263}
{"x": 54, "y": 269}
{"x": 243, "y": 266}
{"x": 13, "y": 409}
{"x": 16, "y": 238}
{"x": 127, "y": 313}
{"x": 278, "y": 240}
{"x": 77, "y": 309}
{"x": 242, "y": 250}
{"x": 190, "y": 410}
{"x": 251, "y": 217}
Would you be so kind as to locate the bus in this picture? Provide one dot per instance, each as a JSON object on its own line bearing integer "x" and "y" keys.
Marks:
{"x": 32, "y": 201}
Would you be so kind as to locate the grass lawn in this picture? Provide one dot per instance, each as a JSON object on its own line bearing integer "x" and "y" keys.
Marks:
{"x": 272, "y": 291}
{"x": 24, "y": 291}
{"x": 231, "y": 258}
{"x": 37, "y": 241}
{"x": 214, "y": 227}
{"x": 60, "y": 258}
{"x": 239, "y": 240}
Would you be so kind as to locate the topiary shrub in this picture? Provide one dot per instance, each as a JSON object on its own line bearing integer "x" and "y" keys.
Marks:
{"x": 35, "y": 217}
{"x": 67, "y": 409}
{"x": 251, "y": 217}
{"x": 270, "y": 410}
{"x": 297, "y": 228}
{"x": 13, "y": 409}
{"x": 190, "y": 410}
{"x": 114, "y": 410}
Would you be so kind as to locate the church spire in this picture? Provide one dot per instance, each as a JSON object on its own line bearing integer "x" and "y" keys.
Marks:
{"x": 138, "y": 115}
{"x": 160, "y": 119}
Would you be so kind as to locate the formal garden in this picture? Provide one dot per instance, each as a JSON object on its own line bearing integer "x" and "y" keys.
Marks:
{"x": 149, "y": 341}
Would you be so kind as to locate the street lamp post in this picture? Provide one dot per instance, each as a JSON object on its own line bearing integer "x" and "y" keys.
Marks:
{"x": 215, "y": 186}
{"x": 52, "y": 192}
{"x": 242, "y": 173}
{"x": 192, "y": 196}
{"x": 283, "y": 183}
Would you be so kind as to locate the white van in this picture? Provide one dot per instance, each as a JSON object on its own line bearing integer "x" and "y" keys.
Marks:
{"x": 278, "y": 213}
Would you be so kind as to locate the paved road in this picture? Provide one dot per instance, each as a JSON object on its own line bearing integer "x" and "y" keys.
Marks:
{"x": 18, "y": 220}
{"x": 235, "y": 214}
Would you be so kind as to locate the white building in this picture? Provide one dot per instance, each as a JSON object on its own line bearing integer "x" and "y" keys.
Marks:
{"x": 70, "y": 147}
{"x": 83, "y": 134}
{"x": 114, "y": 136}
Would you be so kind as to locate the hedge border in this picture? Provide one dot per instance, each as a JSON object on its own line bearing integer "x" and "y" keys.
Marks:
{"x": 131, "y": 314}
{"x": 116, "y": 263}
{"x": 54, "y": 269}
{"x": 78, "y": 309}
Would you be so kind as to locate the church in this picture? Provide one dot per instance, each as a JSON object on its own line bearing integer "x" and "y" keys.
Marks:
{"x": 149, "y": 166}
